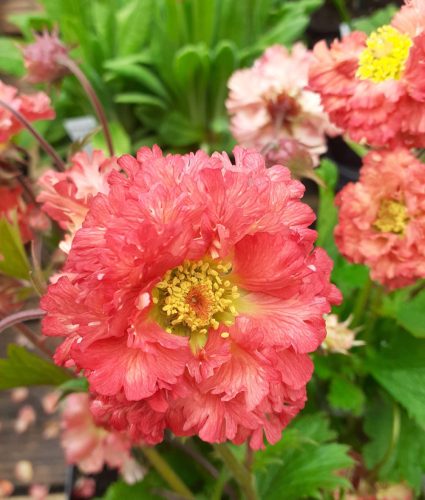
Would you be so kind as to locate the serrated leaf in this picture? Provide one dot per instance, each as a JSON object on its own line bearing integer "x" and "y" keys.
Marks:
{"x": 399, "y": 367}
{"x": 409, "y": 312}
{"x": 23, "y": 368}
{"x": 344, "y": 395}
{"x": 13, "y": 259}
{"x": 303, "y": 462}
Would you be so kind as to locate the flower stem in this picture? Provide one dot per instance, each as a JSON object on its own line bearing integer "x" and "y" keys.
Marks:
{"x": 89, "y": 90}
{"x": 361, "y": 302}
{"x": 166, "y": 472}
{"x": 57, "y": 160}
{"x": 20, "y": 317}
{"x": 238, "y": 470}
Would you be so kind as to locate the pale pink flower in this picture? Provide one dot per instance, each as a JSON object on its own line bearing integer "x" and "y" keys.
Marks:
{"x": 86, "y": 445}
{"x": 19, "y": 394}
{"x": 42, "y": 58}
{"x": 66, "y": 196}
{"x": 38, "y": 491}
{"x": 24, "y": 471}
{"x": 26, "y": 417}
{"x": 340, "y": 338}
{"x": 85, "y": 487}
{"x": 271, "y": 101}
{"x": 192, "y": 296}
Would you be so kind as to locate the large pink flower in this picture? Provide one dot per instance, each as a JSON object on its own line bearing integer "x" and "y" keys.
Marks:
{"x": 86, "y": 445}
{"x": 271, "y": 101}
{"x": 33, "y": 107}
{"x": 66, "y": 195}
{"x": 191, "y": 297}
{"x": 373, "y": 87}
{"x": 382, "y": 218}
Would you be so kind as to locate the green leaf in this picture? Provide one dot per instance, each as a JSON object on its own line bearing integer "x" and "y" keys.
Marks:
{"x": 139, "y": 98}
{"x": 344, "y": 395}
{"x": 327, "y": 215}
{"x": 396, "y": 443}
{"x": 407, "y": 311}
{"x": 303, "y": 462}
{"x": 13, "y": 260}
{"x": 23, "y": 368}
{"x": 177, "y": 130}
{"x": 120, "y": 139}
{"x": 374, "y": 21}
{"x": 133, "y": 25}
{"x": 79, "y": 384}
{"x": 142, "y": 490}
{"x": 11, "y": 61}
{"x": 399, "y": 367}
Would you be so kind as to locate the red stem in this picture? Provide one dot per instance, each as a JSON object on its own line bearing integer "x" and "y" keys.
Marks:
{"x": 97, "y": 105}
{"x": 20, "y": 317}
{"x": 60, "y": 165}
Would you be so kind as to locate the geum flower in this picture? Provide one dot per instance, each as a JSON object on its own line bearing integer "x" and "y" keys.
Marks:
{"x": 66, "y": 195}
{"x": 271, "y": 103}
{"x": 373, "y": 87}
{"x": 192, "y": 296}
{"x": 33, "y": 107}
{"x": 382, "y": 218}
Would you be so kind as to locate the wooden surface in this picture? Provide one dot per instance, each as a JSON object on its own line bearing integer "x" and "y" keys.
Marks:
{"x": 45, "y": 455}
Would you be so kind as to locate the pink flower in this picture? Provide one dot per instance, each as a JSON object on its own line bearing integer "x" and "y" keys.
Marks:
{"x": 373, "y": 87}
{"x": 66, "y": 195}
{"x": 382, "y": 218}
{"x": 86, "y": 445}
{"x": 33, "y": 107}
{"x": 192, "y": 296}
{"x": 42, "y": 57}
{"x": 271, "y": 101}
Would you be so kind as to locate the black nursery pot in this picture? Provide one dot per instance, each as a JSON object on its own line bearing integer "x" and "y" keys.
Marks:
{"x": 103, "y": 480}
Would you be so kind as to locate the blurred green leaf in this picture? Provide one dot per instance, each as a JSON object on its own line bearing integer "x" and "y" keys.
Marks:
{"x": 327, "y": 214}
{"x": 22, "y": 368}
{"x": 303, "y": 462}
{"x": 396, "y": 444}
{"x": 11, "y": 61}
{"x": 179, "y": 131}
{"x": 147, "y": 489}
{"x": 13, "y": 259}
{"x": 374, "y": 21}
{"x": 79, "y": 384}
{"x": 120, "y": 139}
{"x": 409, "y": 312}
{"x": 344, "y": 395}
{"x": 134, "y": 21}
{"x": 399, "y": 366}
{"x": 139, "y": 98}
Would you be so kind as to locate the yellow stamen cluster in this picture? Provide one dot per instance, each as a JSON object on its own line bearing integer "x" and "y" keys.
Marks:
{"x": 385, "y": 55}
{"x": 392, "y": 217}
{"x": 196, "y": 296}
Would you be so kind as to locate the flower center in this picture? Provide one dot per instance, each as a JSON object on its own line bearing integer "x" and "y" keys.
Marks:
{"x": 392, "y": 217}
{"x": 385, "y": 55}
{"x": 194, "y": 297}
{"x": 282, "y": 108}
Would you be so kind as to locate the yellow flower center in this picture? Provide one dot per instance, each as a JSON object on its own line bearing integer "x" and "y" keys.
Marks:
{"x": 385, "y": 55}
{"x": 194, "y": 297}
{"x": 392, "y": 217}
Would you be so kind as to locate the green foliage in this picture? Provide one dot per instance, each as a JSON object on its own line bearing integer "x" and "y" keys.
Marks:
{"x": 408, "y": 309}
{"x": 399, "y": 367}
{"x": 79, "y": 384}
{"x": 10, "y": 58}
{"x": 395, "y": 449}
{"x": 377, "y": 19}
{"x": 167, "y": 63}
{"x": 147, "y": 489}
{"x": 303, "y": 463}
{"x": 23, "y": 368}
{"x": 13, "y": 259}
{"x": 345, "y": 395}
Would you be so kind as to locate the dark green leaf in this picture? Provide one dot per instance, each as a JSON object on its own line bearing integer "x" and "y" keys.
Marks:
{"x": 147, "y": 489}
{"x": 79, "y": 384}
{"x": 23, "y": 368}
{"x": 344, "y": 395}
{"x": 408, "y": 312}
{"x": 327, "y": 215}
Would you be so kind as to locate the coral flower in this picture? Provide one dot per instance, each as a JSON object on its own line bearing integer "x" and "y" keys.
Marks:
{"x": 41, "y": 58}
{"x": 86, "y": 445}
{"x": 382, "y": 218}
{"x": 66, "y": 195}
{"x": 270, "y": 102}
{"x": 33, "y": 107}
{"x": 192, "y": 296}
{"x": 373, "y": 87}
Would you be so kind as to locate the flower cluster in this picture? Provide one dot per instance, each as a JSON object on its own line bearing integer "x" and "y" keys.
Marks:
{"x": 33, "y": 107}
{"x": 373, "y": 87}
{"x": 271, "y": 102}
{"x": 192, "y": 296}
